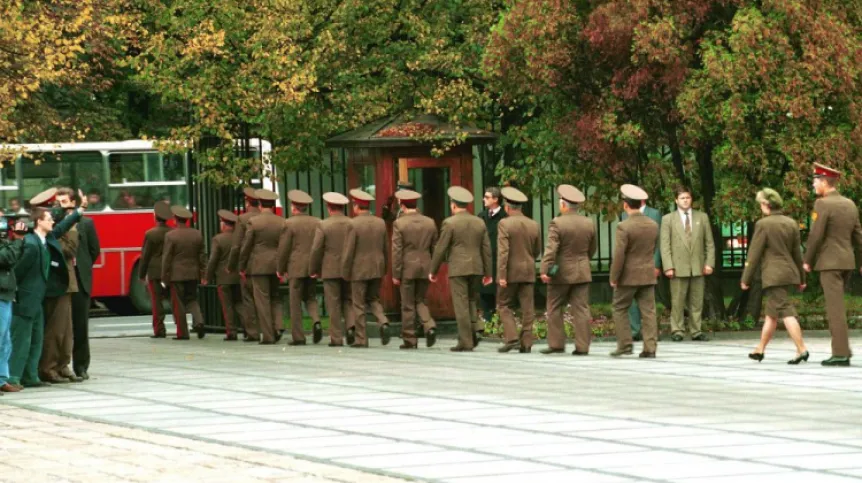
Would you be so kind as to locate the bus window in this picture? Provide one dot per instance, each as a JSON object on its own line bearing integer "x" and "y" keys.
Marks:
{"x": 9, "y": 200}
{"x": 40, "y": 171}
{"x": 139, "y": 180}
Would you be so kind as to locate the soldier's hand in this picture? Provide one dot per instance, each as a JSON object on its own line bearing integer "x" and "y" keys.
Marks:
{"x": 707, "y": 270}
{"x": 806, "y": 267}
{"x": 545, "y": 278}
{"x": 204, "y": 281}
{"x": 802, "y": 287}
{"x": 502, "y": 283}
{"x": 242, "y": 275}
{"x": 226, "y": 270}
{"x": 743, "y": 286}
{"x": 669, "y": 273}
{"x": 315, "y": 275}
{"x": 657, "y": 272}
{"x": 613, "y": 285}
{"x": 432, "y": 278}
{"x": 487, "y": 281}
{"x": 396, "y": 281}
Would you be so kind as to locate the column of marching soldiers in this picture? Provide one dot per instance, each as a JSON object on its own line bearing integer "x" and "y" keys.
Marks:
{"x": 259, "y": 249}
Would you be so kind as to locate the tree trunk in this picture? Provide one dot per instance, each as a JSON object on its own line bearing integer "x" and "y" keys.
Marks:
{"x": 714, "y": 295}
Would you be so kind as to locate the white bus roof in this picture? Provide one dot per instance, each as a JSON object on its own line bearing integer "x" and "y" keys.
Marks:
{"x": 129, "y": 145}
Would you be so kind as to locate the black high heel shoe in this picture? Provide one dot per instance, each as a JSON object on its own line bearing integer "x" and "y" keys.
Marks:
{"x": 756, "y": 356}
{"x": 799, "y": 358}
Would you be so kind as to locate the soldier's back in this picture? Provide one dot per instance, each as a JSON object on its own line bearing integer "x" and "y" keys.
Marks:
{"x": 468, "y": 234}
{"x": 154, "y": 241}
{"x": 639, "y": 267}
{"x": 418, "y": 234}
{"x": 577, "y": 241}
{"x": 267, "y": 228}
{"x": 300, "y": 229}
{"x": 224, "y": 242}
{"x": 369, "y": 256}
{"x": 842, "y": 217}
{"x": 187, "y": 249}
{"x": 524, "y": 247}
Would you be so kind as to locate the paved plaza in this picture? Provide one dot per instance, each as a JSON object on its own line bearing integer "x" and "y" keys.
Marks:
{"x": 701, "y": 412}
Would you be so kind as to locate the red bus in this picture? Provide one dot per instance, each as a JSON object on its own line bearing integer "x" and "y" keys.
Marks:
{"x": 122, "y": 181}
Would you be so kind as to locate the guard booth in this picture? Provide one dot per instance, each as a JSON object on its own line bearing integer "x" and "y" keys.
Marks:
{"x": 379, "y": 155}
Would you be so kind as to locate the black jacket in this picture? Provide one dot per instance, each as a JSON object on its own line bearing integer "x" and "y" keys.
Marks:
{"x": 10, "y": 252}
{"x": 491, "y": 223}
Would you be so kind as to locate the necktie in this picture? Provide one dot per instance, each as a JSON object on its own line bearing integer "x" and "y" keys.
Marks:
{"x": 46, "y": 260}
{"x": 687, "y": 224}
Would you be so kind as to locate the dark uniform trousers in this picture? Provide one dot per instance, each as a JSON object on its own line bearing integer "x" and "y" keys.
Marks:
{"x": 57, "y": 345}
{"x": 157, "y": 295}
{"x": 366, "y": 292}
{"x": 413, "y": 302}
{"x": 832, "y": 282}
{"x": 267, "y": 304}
{"x": 230, "y": 299}
{"x": 645, "y": 297}
{"x": 81, "y": 331}
{"x": 506, "y": 297}
{"x": 248, "y": 310}
{"x": 302, "y": 290}
{"x": 577, "y": 296}
{"x": 465, "y": 299}
{"x": 336, "y": 294}
{"x": 184, "y": 298}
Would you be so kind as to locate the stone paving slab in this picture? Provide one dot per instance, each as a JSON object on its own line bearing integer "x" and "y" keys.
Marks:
{"x": 701, "y": 412}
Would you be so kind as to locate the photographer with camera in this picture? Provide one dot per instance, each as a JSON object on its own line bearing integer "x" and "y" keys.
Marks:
{"x": 12, "y": 233}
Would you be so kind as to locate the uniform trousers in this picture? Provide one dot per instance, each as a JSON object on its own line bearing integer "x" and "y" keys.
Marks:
{"x": 338, "y": 298}
{"x": 832, "y": 282}
{"x": 302, "y": 290}
{"x": 413, "y": 303}
{"x": 267, "y": 304}
{"x": 465, "y": 296}
{"x": 366, "y": 292}
{"x": 184, "y": 299}
{"x": 248, "y": 310}
{"x": 230, "y": 299}
{"x": 157, "y": 295}
{"x": 58, "y": 343}
{"x": 577, "y": 297}
{"x": 624, "y": 295}
{"x": 523, "y": 294}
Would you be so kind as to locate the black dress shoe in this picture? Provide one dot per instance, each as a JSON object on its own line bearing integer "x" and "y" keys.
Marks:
{"x": 351, "y": 336}
{"x": 836, "y": 362}
{"x": 676, "y": 337}
{"x": 524, "y": 350}
{"x": 317, "y": 333}
{"x": 552, "y": 351}
{"x": 250, "y": 339}
{"x": 509, "y": 346}
{"x": 625, "y": 351}
{"x": 200, "y": 331}
{"x": 83, "y": 375}
{"x": 799, "y": 358}
{"x": 701, "y": 337}
{"x": 431, "y": 338}
{"x": 278, "y": 335}
{"x": 647, "y": 355}
{"x": 158, "y": 336}
{"x": 230, "y": 337}
{"x": 384, "y": 334}
{"x": 357, "y": 345}
{"x": 296, "y": 342}
{"x": 458, "y": 348}
{"x": 756, "y": 356}
{"x": 579, "y": 353}
{"x": 407, "y": 345}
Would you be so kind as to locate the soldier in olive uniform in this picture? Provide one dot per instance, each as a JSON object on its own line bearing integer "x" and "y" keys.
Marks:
{"x": 247, "y": 311}
{"x": 633, "y": 274}
{"x": 519, "y": 244}
{"x": 227, "y": 282}
{"x": 465, "y": 246}
{"x": 257, "y": 262}
{"x": 835, "y": 233}
{"x": 326, "y": 250}
{"x": 567, "y": 271}
{"x": 150, "y": 266}
{"x": 183, "y": 267}
{"x": 294, "y": 254}
{"x": 413, "y": 239}
{"x": 776, "y": 250}
{"x": 364, "y": 261}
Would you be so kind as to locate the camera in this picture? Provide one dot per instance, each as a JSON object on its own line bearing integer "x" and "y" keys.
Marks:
{"x": 7, "y": 224}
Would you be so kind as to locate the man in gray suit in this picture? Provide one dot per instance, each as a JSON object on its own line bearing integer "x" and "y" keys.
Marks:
{"x": 688, "y": 255}
{"x": 634, "y": 310}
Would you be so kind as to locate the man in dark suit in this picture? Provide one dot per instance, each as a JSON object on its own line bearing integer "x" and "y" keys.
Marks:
{"x": 227, "y": 282}
{"x": 150, "y": 265}
{"x": 634, "y": 311}
{"x": 42, "y": 254}
{"x": 257, "y": 262}
{"x": 183, "y": 266}
{"x": 326, "y": 251}
{"x": 413, "y": 239}
{"x": 633, "y": 273}
{"x": 88, "y": 252}
{"x": 491, "y": 215}
{"x": 364, "y": 260}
